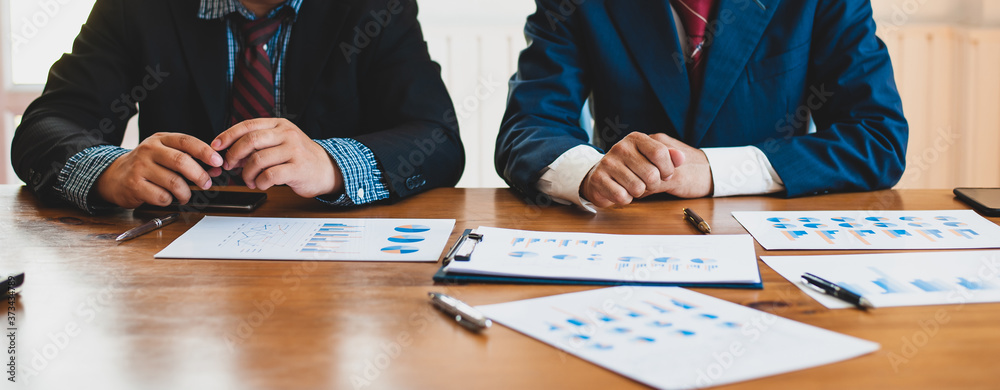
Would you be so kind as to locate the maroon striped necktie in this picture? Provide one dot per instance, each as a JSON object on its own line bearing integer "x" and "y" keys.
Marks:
{"x": 253, "y": 82}
{"x": 694, "y": 15}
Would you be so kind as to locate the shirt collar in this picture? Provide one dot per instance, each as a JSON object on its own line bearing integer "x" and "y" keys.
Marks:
{"x": 217, "y": 9}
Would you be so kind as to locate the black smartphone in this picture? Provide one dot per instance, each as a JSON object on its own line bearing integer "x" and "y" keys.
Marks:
{"x": 984, "y": 200}
{"x": 204, "y": 201}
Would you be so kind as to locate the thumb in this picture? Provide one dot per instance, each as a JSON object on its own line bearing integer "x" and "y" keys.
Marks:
{"x": 677, "y": 157}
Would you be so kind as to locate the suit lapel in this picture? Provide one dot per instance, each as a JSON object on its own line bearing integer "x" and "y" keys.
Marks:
{"x": 314, "y": 37}
{"x": 727, "y": 58}
{"x": 206, "y": 52}
{"x": 647, "y": 29}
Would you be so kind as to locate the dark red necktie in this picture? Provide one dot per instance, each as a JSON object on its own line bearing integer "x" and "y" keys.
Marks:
{"x": 253, "y": 82}
{"x": 694, "y": 15}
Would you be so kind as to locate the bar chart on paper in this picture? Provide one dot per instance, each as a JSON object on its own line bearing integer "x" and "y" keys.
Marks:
{"x": 608, "y": 257}
{"x": 312, "y": 239}
{"x": 941, "y": 229}
{"x": 669, "y": 337}
{"x": 900, "y": 279}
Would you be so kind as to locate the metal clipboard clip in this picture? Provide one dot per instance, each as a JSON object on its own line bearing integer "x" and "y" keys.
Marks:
{"x": 463, "y": 248}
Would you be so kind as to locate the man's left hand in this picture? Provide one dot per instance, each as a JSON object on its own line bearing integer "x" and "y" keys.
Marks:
{"x": 691, "y": 180}
{"x": 274, "y": 151}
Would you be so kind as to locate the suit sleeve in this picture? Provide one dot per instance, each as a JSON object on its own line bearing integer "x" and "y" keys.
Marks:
{"x": 545, "y": 101}
{"x": 860, "y": 143}
{"x": 415, "y": 135}
{"x": 81, "y": 106}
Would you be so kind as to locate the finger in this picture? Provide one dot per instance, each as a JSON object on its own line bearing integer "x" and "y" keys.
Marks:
{"x": 172, "y": 182}
{"x": 600, "y": 201}
{"x": 677, "y": 157}
{"x": 657, "y": 154}
{"x": 193, "y": 147}
{"x": 627, "y": 179}
{"x": 233, "y": 134}
{"x": 182, "y": 163}
{"x": 608, "y": 187}
{"x": 250, "y": 143}
{"x": 148, "y": 192}
{"x": 276, "y": 175}
{"x": 264, "y": 159}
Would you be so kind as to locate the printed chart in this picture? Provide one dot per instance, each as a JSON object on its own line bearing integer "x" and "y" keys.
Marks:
{"x": 312, "y": 239}
{"x": 668, "y": 337}
{"x": 589, "y": 256}
{"x": 900, "y": 279}
{"x": 941, "y": 229}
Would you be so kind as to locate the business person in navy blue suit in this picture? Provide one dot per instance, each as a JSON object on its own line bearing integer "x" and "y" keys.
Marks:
{"x": 701, "y": 97}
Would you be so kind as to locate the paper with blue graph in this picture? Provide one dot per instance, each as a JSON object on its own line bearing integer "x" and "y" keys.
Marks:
{"x": 373, "y": 239}
{"x": 672, "y": 338}
{"x": 874, "y": 229}
{"x": 900, "y": 279}
{"x": 612, "y": 257}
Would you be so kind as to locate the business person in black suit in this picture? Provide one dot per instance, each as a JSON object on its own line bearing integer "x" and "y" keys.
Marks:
{"x": 338, "y": 99}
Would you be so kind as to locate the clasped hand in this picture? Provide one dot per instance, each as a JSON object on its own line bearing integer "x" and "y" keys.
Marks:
{"x": 641, "y": 165}
{"x": 271, "y": 151}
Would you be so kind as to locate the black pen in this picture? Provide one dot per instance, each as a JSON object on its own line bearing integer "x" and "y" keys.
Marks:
{"x": 147, "y": 227}
{"x": 826, "y": 287}
{"x": 696, "y": 220}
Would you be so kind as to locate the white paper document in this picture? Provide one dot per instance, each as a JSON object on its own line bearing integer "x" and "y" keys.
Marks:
{"x": 877, "y": 229}
{"x": 612, "y": 257}
{"x": 899, "y": 279}
{"x": 312, "y": 239}
{"x": 672, "y": 338}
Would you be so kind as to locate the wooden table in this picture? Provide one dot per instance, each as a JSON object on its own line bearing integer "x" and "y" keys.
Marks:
{"x": 94, "y": 314}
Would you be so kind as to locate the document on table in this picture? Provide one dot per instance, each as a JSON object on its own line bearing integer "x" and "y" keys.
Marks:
{"x": 312, "y": 239}
{"x": 672, "y": 338}
{"x": 612, "y": 257}
{"x": 900, "y": 279}
{"x": 857, "y": 229}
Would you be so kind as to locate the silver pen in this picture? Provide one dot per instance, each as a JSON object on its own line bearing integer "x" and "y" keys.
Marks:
{"x": 464, "y": 314}
{"x": 147, "y": 227}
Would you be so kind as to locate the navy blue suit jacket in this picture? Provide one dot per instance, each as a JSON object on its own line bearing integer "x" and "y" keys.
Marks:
{"x": 771, "y": 65}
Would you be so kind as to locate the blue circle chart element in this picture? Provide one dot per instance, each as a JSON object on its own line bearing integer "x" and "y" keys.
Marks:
{"x": 808, "y": 219}
{"x": 667, "y": 260}
{"x": 778, "y": 219}
{"x": 629, "y": 258}
{"x": 784, "y": 226}
{"x": 843, "y": 219}
{"x": 919, "y": 224}
{"x": 876, "y": 219}
{"x": 564, "y": 257}
{"x": 412, "y": 229}
{"x": 400, "y": 249}
{"x": 406, "y": 238}
{"x": 850, "y": 225}
{"x": 522, "y": 254}
{"x": 910, "y": 219}
{"x": 815, "y": 225}
{"x": 702, "y": 261}
{"x": 955, "y": 224}
{"x": 884, "y": 224}
{"x": 945, "y": 218}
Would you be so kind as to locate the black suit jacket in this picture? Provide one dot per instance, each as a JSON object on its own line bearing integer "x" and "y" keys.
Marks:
{"x": 353, "y": 68}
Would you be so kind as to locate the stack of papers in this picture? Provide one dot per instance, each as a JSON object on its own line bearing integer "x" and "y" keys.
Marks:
{"x": 509, "y": 255}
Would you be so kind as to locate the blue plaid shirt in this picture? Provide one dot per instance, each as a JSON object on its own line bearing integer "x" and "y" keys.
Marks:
{"x": 362, "y": 178}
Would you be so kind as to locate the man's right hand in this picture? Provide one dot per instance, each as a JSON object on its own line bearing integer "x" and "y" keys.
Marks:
{"x": 636, "y": 166}
{"x": 155, "y": 171}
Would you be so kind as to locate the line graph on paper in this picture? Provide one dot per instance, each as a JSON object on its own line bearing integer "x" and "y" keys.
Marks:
{"x": 254, "y": 237}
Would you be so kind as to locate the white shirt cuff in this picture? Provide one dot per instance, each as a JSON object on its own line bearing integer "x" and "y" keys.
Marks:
{"x": 562, "y": 179}
{"x": 743, "y": 170}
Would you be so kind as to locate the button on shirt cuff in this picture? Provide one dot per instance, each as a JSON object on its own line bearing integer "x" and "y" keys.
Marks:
{"x": 562, "y": 179}
{"x": 362, "y": 178}
{"x": 79, "y": 175}
{"x": 743, "y": 170}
